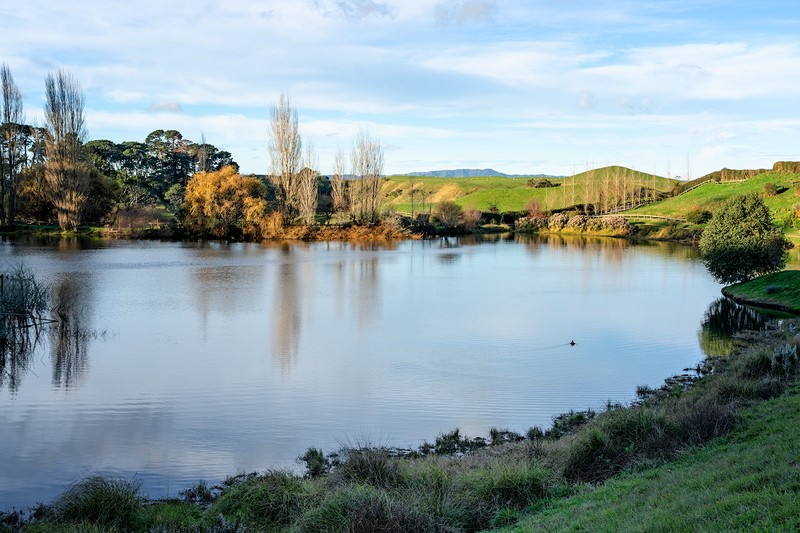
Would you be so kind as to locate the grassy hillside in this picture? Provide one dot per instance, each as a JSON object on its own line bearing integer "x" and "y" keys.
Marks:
{"x": 710, "y": 195}
{"x": 513, "y": 194}
{"x": 748, "y": 481}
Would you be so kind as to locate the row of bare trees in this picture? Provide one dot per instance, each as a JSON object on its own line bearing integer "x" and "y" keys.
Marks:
{"x": 66, "y": 163}
{"x": 604, "y": 191}
{"x": 294, "y": 171}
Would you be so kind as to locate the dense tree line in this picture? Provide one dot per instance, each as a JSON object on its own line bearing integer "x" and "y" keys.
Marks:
{"x": 53, "y": 174}
{"x": 158, "y": 169}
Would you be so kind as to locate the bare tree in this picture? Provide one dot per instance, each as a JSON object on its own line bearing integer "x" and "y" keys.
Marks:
{"x": 202, "y": 154}
{"x": 285, "y": 149}
{"x": 10, "y": 158}
{"x": 307, "y": 189}
{"x": 338, "y": 192}
{"x": 67, "y": 168}
{"x": 367, "y": 161}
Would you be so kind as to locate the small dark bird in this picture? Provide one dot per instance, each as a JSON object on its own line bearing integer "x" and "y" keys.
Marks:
{"x": 572, "y": 343}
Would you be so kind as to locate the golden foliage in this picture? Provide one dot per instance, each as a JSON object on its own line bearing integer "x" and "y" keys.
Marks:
{"x": 224, "y": 204}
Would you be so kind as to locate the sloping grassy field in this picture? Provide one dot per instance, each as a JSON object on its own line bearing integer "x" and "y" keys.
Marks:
{"x": 710, "y": 195}
{"x": 511, "y": 194}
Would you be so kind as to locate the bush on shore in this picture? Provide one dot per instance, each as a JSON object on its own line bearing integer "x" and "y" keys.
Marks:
{"x": 577, "y": 223}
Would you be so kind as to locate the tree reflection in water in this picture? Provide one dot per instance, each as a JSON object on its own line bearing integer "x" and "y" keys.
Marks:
{"x": 30, "y": 313}
{"x": 23, "y": 301}
{"x": 722, "y": 320}
{"x": 70, "y": 334}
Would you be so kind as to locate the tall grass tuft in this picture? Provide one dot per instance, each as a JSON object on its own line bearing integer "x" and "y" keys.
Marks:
{"x": 363, "y": 509}
{"x": 478, "y": 495}
{"x": 101, "y": 501}
{"x": 374, "y": 466}
{"x": 270, "y": 501}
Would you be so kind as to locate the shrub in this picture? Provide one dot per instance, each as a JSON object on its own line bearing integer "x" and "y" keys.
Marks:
{"x": 568, "y": 423}
{"x": 479, "y": 494}
{"x": 270, "y": 501}
{"x": 740, "y": 241}
{"x": 698, "y": 216}
{"x": 618, "y": 224}
{"x": 217, "y": 203}
{"x": 316, "y": 462}
{"x": 534, "y": 209}
{"x": 577, "y": 222}
{"x": 587, "y": 457}
{"x": 557, "y": 221}
{"x": 541, "y": 183}
{"x": 534, "y": 433}
{"x": 454, "y": 443}
{"x": 448, "y": 213}
{"x": 770, "y": 189}
{"x": 200, "y": 494}
{"x": 358, "y": 508}
{"x": 101, "y": 501}
{"x": 374, "y": 466}
{"x": 529, "y": 224}
{"x": 500, "y": 436}
{"x": 704, "y": 418}
{"x": 595, "y": 224}
{"x": 471, "y": 218}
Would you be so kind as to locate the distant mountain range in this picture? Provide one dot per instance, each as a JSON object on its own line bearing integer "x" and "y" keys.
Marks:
{"x": 474, "y": 172}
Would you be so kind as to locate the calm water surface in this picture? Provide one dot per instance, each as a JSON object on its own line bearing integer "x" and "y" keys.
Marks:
{"x": 198, "y": 361}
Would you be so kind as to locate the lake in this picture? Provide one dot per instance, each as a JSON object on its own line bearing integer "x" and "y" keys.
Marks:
{"x": 189, "y": 361}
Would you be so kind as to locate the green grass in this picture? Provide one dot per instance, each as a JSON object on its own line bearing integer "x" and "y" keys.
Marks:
{"x": 711, "y": 195}
{"x": 509, "y": 194}
{"x": 779, "y": 289}
{"x": 748, "y": 481}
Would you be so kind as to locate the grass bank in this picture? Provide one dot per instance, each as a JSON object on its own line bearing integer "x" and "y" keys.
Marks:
{"x": 780, "y": 291}
{"x": 747, "y": 481}
{"x": 636, "y": 467}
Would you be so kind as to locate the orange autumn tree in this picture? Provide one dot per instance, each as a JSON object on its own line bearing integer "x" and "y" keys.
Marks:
{"x": 216, "y": 203}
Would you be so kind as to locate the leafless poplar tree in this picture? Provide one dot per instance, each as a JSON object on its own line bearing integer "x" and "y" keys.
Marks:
{"x": 285, "y": 149}
{"x": 367, "y": 161}
{"x": 338, "y": 191}
{"x": 10, "y": 158}
{"x": 67, "y": 167}
{"x": 307, "y": 189}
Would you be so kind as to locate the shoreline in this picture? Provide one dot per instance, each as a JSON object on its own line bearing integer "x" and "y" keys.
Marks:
{"x": 581, "y": 449}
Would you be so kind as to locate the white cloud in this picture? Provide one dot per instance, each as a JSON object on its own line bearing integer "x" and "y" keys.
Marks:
{"x": 352, "y": 9}
{"x": 465, "y": 11}
{"x": 548, "y": 81}
{"x": 166, "y": 106}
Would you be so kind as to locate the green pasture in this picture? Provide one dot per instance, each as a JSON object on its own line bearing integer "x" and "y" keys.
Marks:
{"x": 513, "y": 194}
{"x": 710, "y": 195}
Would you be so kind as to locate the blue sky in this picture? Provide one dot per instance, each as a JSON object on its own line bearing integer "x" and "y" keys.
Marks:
{"x": 677, "y": 88}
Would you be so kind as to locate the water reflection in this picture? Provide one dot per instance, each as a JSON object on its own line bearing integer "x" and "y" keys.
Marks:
{"x": 286, "y": 317}
{"x": 69, "y": 336}
{"x": 23, "y": 301}
{"x": 68, "y": 332}
{"x": 371, "y": 340}
{"x": 722, "y": 320}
